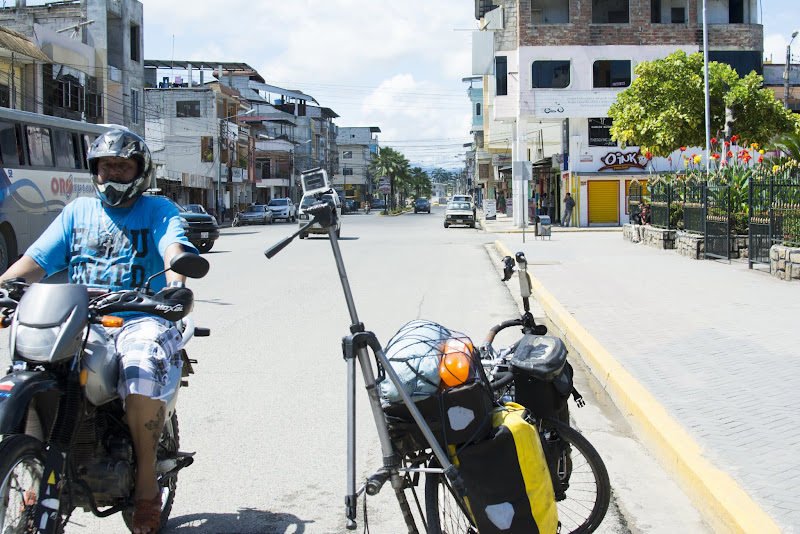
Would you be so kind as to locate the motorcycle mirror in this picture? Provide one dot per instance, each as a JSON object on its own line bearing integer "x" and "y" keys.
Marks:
{"x": 186, "y": 263}
{"x": 190, "y": 264}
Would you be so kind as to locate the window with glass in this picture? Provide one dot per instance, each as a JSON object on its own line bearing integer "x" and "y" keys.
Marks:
{"x": 347, "y": 171}
{"x": 600, "y": 132}
{"x": 610, "y": 12}
{"x": 66, "y": 153}
{"x": 501, "y": 75}
{"x": 478, "y": 109}
{"x": 187, "y": 108}
{"x": 40, "y": 148}
{"x": 612, "y": 73}
{"x": 347, "y": 154}
{"x": 10, "y": 144}
{"x": 550, "y": 74}
{"x": 134, "y": 106}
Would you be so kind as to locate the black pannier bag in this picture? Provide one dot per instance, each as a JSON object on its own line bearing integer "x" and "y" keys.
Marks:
{"x": 543, "y": 377}
{"x": 456, "y": 415}
{"x": 508, "y": 483}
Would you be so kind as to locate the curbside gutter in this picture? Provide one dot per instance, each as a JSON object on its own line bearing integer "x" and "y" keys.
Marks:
{"x": 721, "y": 501}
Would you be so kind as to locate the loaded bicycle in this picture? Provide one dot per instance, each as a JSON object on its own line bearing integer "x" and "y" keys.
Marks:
{"x": 426, "y": 427}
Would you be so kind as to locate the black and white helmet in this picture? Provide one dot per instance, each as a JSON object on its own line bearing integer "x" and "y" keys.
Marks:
{"x": 120, "y": 144}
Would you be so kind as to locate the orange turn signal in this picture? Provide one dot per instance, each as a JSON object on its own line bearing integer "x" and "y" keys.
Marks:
{"x": 111, "y": 321}
{"x": 455, "y": 367}
{"x": 84, "y": 377}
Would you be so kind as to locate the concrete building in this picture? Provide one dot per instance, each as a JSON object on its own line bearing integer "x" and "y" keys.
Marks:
{"x": 356, "y": 145}
{"x": 774, "y": 80}
{"x": 479, "y": 161}
{"x": 554, "y": 67}
{"x": 194, "y": 138}
{"x": 97, "y": 72}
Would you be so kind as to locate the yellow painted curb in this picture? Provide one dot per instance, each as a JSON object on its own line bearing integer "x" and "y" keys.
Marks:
{"x": 717, "y": 496}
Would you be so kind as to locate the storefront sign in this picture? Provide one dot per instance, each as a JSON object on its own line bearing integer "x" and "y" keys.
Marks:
{"x": 490, "y": 209}
{"x": 383, "y": 184}
{"x": 619, "y": 161}
{"x": 499, "y": 160}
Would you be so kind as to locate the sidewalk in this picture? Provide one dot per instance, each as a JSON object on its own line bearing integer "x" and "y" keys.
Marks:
{"x": 701, "y": 357}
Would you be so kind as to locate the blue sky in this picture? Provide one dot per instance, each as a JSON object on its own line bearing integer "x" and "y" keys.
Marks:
{"x": 393, "y": 64}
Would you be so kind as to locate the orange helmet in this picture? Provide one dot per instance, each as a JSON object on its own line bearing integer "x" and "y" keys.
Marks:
{"x": 456, "y": 365}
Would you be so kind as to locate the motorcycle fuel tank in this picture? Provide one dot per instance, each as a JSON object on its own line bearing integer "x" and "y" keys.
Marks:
{"x": 101, "y": 362}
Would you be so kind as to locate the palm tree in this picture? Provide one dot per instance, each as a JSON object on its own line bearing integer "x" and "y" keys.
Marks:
{"x": 390, "y": 163}
{"x": 789, "y": 144}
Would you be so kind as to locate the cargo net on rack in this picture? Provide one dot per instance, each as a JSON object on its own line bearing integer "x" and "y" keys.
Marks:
{"x": 441, "y": 371}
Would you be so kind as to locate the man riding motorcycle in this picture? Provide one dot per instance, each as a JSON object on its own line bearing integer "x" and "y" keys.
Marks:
{"x": 114, "y": 242}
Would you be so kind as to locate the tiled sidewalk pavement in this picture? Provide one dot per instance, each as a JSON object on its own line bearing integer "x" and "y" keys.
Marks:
{"x": 713, "y": 342}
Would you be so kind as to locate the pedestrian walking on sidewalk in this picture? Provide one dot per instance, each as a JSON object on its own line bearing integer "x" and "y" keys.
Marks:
{"x": 569, "y": 203}
{"x": 545, "y": 205}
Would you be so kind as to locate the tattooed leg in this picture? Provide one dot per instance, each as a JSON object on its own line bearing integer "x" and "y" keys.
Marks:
{"x": 145, "y": 420}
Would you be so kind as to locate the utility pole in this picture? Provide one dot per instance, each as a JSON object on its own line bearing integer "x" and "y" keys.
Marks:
{"x": 786, "y": 71}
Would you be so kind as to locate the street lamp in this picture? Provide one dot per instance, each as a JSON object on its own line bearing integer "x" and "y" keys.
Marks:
{"x": 219, "y": 158}
{"x": 786, "y": 70}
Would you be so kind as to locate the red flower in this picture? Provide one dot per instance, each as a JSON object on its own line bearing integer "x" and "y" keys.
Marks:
{"x": 734, "y": 138}
{"x": 727, "y": 144}
{"x": 760, "y": 159}
{"x": 649, "y": 156}
{"x": 729, "y": 154}
{"x": 683, "y": 148}
{"x": 715, "y": 156}
{"x": 713, "y": 140}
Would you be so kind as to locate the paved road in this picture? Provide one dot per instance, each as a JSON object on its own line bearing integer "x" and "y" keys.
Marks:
{"x": 713, "y": 342}
{"x": 265, "y": 411}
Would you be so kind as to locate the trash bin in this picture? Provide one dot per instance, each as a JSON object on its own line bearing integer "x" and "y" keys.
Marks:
{"x": 544, "y": 226}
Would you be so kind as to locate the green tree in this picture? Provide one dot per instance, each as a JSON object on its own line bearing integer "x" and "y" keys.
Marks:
{"x": 392, "y": 164}
{"x": 664, "y": 107}
{"x": 420, "y": 183}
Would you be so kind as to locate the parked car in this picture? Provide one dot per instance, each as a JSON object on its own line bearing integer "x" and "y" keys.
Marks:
{"x": 378, "y": 204}
{"x": 195, "y": 208}
{"x": 316, "y": 228}
{"x": 459, "y": 213}
{"x": 422, "y": 204}
{"x": 283, "y": 208}
{"x": 200, "y": 228}
{"x": 256, "y": 214}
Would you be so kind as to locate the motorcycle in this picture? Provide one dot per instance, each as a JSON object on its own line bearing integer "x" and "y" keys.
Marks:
{"x": 237, "y": 220}
{"x": 65, "y": 443}
{"x": 367, "y": 207}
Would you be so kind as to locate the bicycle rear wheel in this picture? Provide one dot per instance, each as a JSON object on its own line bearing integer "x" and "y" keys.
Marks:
{"x": 446, "y": 512}
{"x": 585, "y": 491}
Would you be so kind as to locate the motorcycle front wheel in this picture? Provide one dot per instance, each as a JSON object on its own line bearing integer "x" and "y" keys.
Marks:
{"x": 22, "y": 461}
{"x": 167, "y": 450}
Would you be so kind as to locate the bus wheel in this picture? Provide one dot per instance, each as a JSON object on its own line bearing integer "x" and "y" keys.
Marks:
{"x": 3, "y": 253}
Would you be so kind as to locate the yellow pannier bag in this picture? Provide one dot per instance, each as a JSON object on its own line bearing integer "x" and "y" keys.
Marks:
{"x": 509, "y": 489}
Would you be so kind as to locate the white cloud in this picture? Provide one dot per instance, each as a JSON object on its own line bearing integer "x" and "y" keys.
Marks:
{"x": 395, "y": 65}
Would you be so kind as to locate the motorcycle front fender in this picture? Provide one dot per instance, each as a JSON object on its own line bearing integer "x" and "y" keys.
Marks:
{"x": 17, "y": 390}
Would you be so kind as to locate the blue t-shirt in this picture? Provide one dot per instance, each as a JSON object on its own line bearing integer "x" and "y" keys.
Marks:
{"x": 86, "y": 237}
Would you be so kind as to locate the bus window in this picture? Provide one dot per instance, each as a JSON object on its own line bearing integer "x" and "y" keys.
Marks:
{"x": 76, "y": 151}
{"x": 64, "y": 149}
{"x": 9, "y": 144}
{"x": 87, "y": 143}
{"x": 40, "y": 151}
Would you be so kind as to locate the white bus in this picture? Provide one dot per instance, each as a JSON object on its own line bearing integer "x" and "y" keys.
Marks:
{"x": 42, "y": 168}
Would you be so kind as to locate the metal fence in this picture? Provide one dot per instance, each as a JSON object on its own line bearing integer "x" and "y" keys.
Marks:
{"x": 697, "y": 206}
{"x": 774, "y": 213}
{"x": 635, "y": 197}
{"x": 694, "y": 205}
{"x": 717, "y": 235}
